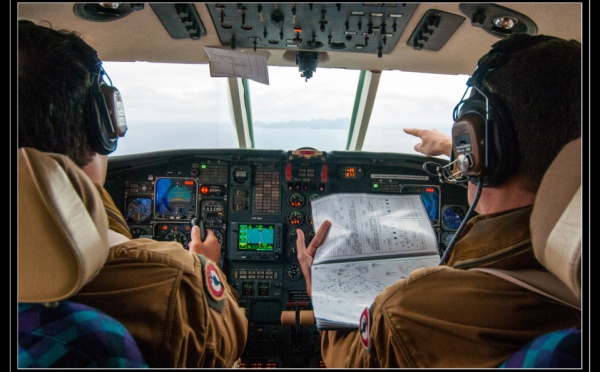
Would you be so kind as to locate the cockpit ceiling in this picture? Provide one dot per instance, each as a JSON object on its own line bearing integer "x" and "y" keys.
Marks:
{"x": 460, "y": 40}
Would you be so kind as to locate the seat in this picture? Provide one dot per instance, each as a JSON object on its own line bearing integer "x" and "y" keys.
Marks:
{"x": 556, "y": 233}
{"x": 62, "y": 244}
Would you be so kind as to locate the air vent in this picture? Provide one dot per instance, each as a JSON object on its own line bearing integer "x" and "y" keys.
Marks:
{"x": 180, "y": 20}
{"x": 434, "y": 30}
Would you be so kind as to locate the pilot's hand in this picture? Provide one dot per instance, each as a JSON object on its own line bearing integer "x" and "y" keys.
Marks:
{"x": 433, "y": 142}
{"x": 307, "y": 254}
{"x": 210, "y": 248}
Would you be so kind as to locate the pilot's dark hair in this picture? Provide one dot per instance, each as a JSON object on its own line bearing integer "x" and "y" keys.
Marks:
{"x": 55, "y": 69}
{"x": 541, "y": 88}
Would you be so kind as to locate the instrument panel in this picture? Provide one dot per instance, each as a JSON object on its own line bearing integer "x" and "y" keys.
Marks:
{"x": 254, "y": 200}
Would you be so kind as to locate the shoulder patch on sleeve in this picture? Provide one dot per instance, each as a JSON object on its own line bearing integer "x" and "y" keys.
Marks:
{"x": 214, "y": 285}
{"x": 365, "y": 328}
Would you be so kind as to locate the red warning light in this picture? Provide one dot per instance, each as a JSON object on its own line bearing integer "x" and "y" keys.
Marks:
{"x": 429, "y": 189}
{"x": 204, "y": 190}
{"x": 324, "y": 172}
{"x": 288, "y": 172}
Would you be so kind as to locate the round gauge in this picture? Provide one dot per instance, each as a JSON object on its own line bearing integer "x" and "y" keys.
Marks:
{"x": 309, "y": 236}
{"x": 292, "y": 235}
{"x": 177, "y": 236}
{"x": 296, "y": 200}
{"x": 295, "y": 218}
{"x": 293, "y": 271}
{"x": 452, "y": 216}
{"x": 241, "y": 175}
{"x": 139, "y": 209}
{"x": 292, "y": 253}
{"x": 313, "y": 197}
{"x": 447, "y": 238}
{"x": 309, "y": 219}
{"x": 212, "y": 211}
{"x": 136, "y": 232}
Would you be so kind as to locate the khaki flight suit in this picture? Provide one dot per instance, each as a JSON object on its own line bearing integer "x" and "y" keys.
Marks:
{"x": 162, "y": 294}
{"x": 450, "y": 317}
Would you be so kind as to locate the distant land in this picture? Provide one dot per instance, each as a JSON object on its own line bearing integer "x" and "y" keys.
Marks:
{"x": 340, "y": 123}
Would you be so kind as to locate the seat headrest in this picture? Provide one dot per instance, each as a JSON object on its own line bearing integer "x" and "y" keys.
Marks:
{"x": 62, "y": 227}
{"x": 556, "y": 218}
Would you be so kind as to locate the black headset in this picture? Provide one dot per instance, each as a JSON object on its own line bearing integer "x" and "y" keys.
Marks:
{"x": 105, "y": 114}
{"x": 484, "y": 139}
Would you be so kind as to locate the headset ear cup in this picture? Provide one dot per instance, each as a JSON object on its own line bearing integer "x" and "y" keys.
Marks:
{"x": 115, "y": 111}
{"x": 98, "y": 123}
{"x": 501, "y": 143}
{"x": 468, "y": 138}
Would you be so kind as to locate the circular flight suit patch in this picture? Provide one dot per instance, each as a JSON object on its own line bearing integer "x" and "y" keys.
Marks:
{"x": 364, "y": 326}
{"x": 214, "y": 284}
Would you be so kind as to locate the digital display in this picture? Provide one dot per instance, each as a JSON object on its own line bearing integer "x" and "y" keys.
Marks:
{"x": 430, "y": 196}
{"x": 248, "y": 289}
{"x": 350, "y": 172}
{"x": 256, "y": 237}
{"x": 431, "y": 200}
{"x": 175, "y": 198}
{"x": 263, "y": 289}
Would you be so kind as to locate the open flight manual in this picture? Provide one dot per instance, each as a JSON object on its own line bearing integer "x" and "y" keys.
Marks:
{"x": 373, "y": 241}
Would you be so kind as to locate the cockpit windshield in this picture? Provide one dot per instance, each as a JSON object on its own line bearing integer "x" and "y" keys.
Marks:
{"x": 183, "y": 107}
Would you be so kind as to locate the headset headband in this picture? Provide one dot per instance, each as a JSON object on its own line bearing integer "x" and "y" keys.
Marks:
{"x": 500, "y": 55}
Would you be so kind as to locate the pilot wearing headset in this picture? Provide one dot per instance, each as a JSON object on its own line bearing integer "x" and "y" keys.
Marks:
{"x": 176, "y": 303}
{"x": 523, "y": 106}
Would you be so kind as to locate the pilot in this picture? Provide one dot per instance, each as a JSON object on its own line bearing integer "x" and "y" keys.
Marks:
{"x": 176, "y": 303}
{"x": 448, "y": 316}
